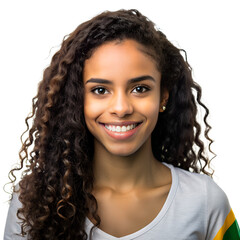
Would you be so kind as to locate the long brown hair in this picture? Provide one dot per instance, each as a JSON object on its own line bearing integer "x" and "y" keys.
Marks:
{"x": 56, "y": 187}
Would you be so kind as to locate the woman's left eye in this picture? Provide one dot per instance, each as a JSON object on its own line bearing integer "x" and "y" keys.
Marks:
{"x": 140, "y": 89}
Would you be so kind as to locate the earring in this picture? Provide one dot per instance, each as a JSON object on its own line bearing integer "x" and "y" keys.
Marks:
{"x": 163, "y": 108}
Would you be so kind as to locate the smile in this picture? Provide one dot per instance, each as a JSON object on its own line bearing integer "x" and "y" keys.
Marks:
{"x": 121, "y": 131}
{"x": 114, "y": 128}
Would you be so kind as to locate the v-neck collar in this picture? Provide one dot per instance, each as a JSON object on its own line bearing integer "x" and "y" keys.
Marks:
{"x": 100, "y": 234}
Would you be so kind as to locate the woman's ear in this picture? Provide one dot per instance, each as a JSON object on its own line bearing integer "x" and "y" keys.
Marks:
{"x": 163, "y": 100}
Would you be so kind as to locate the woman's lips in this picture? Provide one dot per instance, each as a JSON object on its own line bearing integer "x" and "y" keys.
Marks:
{"x": 119, "y": 135}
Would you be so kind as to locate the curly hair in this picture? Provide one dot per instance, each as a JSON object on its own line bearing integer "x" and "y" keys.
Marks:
{"x": 56, "y": 187}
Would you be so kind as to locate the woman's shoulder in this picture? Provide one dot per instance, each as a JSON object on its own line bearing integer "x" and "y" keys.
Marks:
{"x": 204, "y": 187}
{"x": 12, "y": 225}
{"x": 14, "y": 202}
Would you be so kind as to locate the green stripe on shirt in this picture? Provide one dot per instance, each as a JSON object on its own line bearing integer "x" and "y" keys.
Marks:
{"x": 233, "y": 232}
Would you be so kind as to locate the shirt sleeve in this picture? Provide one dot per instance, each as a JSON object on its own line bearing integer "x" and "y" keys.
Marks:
{"x": 221, "y": 222}
{"x": 13, "y": 227}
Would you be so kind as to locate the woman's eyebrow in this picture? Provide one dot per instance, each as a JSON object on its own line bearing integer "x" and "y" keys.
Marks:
{"x": 132, "y": 80}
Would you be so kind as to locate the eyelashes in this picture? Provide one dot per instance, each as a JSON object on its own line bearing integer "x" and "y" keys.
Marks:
{"x": 99, "y": 90}
{"x": 140, "y": 89}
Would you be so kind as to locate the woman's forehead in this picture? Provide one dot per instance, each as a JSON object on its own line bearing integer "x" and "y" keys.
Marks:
{"x": 126, "y": 59}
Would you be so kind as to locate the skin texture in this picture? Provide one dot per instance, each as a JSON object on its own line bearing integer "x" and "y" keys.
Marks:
{"x": 127, "y": 176}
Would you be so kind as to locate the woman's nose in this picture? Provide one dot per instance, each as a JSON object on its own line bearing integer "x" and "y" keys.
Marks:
{"x": 120, "y": 105}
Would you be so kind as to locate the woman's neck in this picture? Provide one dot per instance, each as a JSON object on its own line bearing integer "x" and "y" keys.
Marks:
{"x": 125, "y": 173}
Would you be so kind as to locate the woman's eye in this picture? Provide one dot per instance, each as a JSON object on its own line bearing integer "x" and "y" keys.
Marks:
{"x": 100, "y": 90}
{"x": 140, "y": 89}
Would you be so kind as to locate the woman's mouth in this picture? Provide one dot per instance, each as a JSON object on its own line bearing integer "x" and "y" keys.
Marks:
{"x": 114, "y": 128}
{"x": 121, "y": 131}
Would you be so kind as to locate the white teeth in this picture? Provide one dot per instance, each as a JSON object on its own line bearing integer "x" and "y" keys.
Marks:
{"x": 124, "y": 129}
{"x": 120, "y": 128}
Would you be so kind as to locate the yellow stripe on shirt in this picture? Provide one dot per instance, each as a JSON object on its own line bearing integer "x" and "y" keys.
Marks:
{"x": 228, "y": 222}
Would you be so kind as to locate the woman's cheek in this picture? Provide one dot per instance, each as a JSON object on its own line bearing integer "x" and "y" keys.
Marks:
{"x": 92, "y": 110}
{"x": 149, "y": 107}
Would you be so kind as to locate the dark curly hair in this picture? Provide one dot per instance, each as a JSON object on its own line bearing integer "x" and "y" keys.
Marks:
{"x": 56, "y": 187}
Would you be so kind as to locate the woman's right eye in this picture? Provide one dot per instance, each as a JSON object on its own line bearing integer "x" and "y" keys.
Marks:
{"x": 99, "y": 90}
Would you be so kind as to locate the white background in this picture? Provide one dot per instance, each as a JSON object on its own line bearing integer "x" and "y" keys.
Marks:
{"x": 207, "y": 30}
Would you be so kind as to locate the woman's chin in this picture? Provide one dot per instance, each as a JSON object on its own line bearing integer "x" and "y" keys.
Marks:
{"x": 122, "y": 151}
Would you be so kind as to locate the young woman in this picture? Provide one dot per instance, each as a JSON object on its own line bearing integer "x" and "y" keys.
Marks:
{"x": 116, "y": 151}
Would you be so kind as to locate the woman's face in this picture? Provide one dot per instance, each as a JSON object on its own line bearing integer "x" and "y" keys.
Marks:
{"x": 122, "y": 96}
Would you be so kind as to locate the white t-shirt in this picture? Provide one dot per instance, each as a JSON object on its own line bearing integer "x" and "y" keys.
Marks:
{"x": 196, "y": 209}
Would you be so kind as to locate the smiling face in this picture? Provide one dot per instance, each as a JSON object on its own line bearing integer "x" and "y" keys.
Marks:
{"x": 122, "y": 96}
